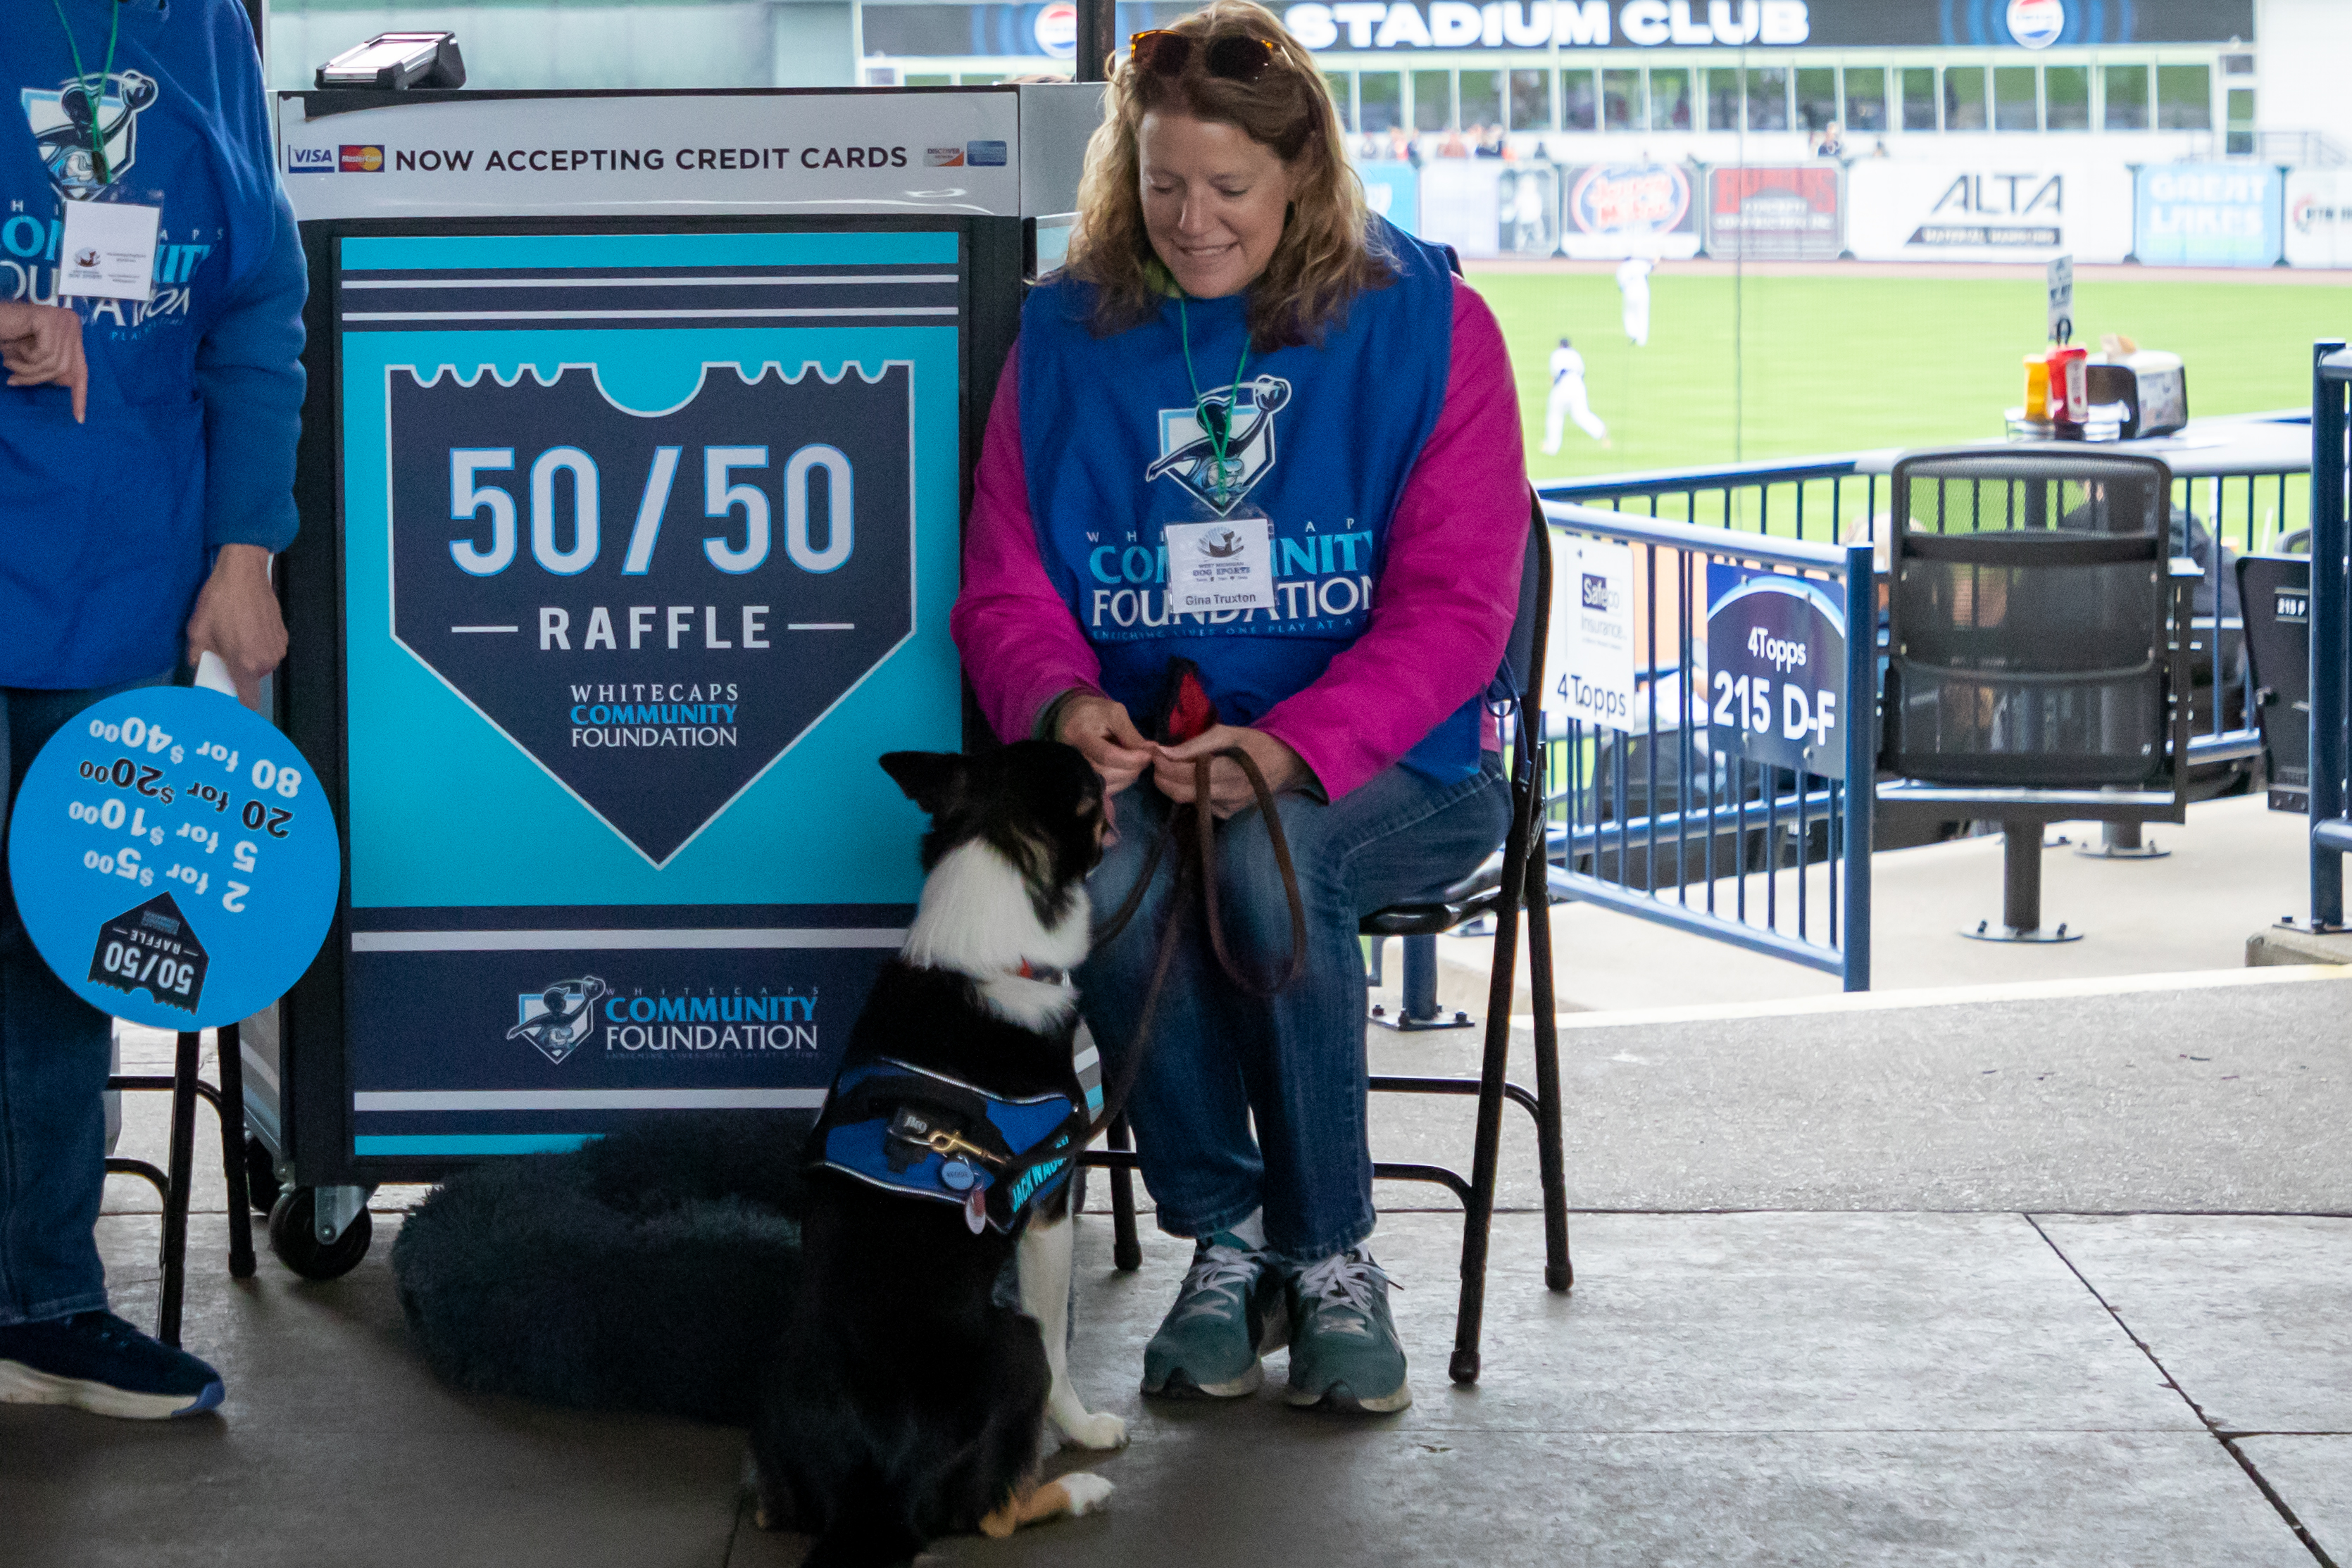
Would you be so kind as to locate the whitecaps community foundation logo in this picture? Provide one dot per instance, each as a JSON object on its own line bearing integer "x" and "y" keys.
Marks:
{"x": 2037, "y": 24}
{"x": 1188, "y": 456}
{"x": 67, "y": 130}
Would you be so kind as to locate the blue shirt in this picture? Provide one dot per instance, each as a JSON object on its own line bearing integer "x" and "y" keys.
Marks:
{"x": 108, "y": 529}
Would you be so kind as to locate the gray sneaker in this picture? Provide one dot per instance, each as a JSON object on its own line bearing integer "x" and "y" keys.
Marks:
{"x": 1227, "y": 1315}
{"x": 1344, "y": 1353}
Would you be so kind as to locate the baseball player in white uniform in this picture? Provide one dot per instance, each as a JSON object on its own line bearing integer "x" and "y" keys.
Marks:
{"x": 1568, "y": 399}
{"x": 1633, "y": 283}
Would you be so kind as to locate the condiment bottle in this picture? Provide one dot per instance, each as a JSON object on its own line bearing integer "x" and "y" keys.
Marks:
{"x": 2037, "y": 387}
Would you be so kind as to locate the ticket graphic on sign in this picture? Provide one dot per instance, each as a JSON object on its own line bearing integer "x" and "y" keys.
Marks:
{"x": 173, "y": 858}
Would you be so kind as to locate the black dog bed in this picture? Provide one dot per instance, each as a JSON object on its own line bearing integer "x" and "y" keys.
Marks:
{"x": 651, "y": 1271}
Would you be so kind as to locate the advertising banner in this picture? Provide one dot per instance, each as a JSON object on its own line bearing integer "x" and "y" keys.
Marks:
{"x": 1393, "y": 189}
{"x": 1777, "y": 645}
{"x": 2208, "y": 214}
{"x": 2318, "y": 217}
{"x": 649, "y": 543}
{"x": 1527, "y": 201}
{"x": 1610, "y": 210}
{"x": 1790, "y": 214}
{"x": 1589, "y": 645}
{"x": 720, "y": 152}
{"x": 2021, "y": 210}
{"x": 1461, "y": 205}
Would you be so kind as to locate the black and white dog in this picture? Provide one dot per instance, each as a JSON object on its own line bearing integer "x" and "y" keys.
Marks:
{"x": 904, "y": 1403}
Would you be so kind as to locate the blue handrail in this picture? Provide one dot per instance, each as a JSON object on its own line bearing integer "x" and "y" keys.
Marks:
{"x": 2331, "y": 631}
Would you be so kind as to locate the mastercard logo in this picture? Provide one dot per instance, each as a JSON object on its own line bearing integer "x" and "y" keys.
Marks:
{"x": 363, "y": 159}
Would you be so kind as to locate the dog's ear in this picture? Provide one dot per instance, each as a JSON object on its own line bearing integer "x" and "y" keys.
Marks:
{"x": 933, "y": 779}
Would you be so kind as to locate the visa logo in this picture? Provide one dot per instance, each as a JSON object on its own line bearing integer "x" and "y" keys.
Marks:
{"x": 310, "y": 160}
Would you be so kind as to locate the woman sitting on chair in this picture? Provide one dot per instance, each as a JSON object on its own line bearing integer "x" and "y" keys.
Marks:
{"x": 1253, "y": 434}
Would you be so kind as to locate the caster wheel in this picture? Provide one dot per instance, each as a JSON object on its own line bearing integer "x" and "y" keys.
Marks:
{"x": 261, "y": 1187}
{"x": 294, "y": 1238}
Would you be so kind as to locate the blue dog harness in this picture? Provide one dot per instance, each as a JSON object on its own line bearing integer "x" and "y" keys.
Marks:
{"x": 920, "y": 1134}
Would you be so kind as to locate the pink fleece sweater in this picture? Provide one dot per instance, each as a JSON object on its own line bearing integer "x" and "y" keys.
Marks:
{"x": 1442, "y": 606}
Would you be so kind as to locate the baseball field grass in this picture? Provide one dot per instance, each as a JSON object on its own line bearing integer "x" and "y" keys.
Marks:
{"x": 1838, "y": 363}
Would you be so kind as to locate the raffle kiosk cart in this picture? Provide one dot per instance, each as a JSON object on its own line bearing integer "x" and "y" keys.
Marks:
{"x": 639, "y": 432}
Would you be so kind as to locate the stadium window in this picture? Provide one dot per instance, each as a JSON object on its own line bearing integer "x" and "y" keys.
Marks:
{"x": 2013, "y": 106}
{"x": 2066, "y": 97}
{"x": 1722, "y": 101}
{"x": 1621, "y": 108}
{"x": 1817, "y": 98}
{"x": 2126, "y": 90}
{"x": 1865, "y": 97}
{"x": 1964, "y": 97}
{"x": 1531, "y": 101}
{"x": 1919, "y": 98}
{"x": 1433, "y": 101}
{"x": 1579, "y": 104}
{"x": 1482, "y": 99}
{"x": 2241, "y": 121}
{"x": 1380, "y": 101}
{"x": 2184, "y": 98}
{"x": 1670, "y": 105}
{"x": 1767, "y": 98}
{"x": 1337, "y": 84}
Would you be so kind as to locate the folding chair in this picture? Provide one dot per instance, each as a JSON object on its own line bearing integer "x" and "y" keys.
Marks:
{"x": 1499, "y": 888}
{"x": 228, "y": 1100}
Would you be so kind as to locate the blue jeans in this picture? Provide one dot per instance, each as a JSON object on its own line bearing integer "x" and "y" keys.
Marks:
{"x": 1219, "y": 1056}
{"x": 53, "y": 1064}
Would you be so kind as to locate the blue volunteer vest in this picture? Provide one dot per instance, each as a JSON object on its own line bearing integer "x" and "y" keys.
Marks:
{"x": 1323, "y": 436}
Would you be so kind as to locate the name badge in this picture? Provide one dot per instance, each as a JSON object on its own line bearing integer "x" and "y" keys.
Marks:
{"x": 108, "y": 250}
{"x": 1223, "y": 564}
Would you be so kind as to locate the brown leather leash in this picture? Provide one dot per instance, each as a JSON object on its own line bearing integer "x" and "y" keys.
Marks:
{"x": 1199, "y": 868}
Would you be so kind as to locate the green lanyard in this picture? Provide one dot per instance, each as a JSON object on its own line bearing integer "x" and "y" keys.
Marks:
{"x": 95, "y": 92}
{"x": 1221, "y": 430}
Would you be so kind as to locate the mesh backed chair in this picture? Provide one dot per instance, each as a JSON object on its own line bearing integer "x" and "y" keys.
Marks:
{"x": 2037, "y": 650}
{"x": 1506, "y": 885}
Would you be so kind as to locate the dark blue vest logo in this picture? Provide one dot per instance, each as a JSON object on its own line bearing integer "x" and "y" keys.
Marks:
{"x": 655, "y": 607}
{"x": 69, "y": 129}
{"x": 1243, "y": 417}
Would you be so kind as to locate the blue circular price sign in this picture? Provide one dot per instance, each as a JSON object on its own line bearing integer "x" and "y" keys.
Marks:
{"x": 173, "y": 858}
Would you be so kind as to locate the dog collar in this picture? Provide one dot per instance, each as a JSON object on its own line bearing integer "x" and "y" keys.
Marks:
{"x": 1045, "y": 972}
{"x": 920, "y": 1134}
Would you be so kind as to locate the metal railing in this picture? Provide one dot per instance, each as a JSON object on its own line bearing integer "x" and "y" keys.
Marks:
{"x": 1843, "y": 499}
{"x": 1668, "y": 818}
{"x": 2331, "y": 631}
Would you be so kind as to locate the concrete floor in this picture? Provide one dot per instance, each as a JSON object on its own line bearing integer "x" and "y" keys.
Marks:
{"x": 1947, "y": 1320}
{"x": 2234, "y": 868}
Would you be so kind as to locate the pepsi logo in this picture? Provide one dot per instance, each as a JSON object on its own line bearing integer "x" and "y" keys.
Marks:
{"x": 2036, "y": 23}
{"x": 1056, "y": 29}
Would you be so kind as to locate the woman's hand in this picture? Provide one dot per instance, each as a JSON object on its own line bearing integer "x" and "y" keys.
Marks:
{"x": 41, "y": 345}
{"x": 1229, "y": 787}
{"x": 236, "y": 617}
{"x": 1105, "y": 737}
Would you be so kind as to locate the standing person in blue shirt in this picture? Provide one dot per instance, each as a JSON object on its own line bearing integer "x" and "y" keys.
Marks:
{"x": 146, "y": 474}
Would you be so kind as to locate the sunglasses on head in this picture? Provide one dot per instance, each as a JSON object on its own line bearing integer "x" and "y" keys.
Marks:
{"x": 1237, "y": 57}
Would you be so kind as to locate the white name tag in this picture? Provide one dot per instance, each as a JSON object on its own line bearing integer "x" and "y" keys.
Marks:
{"x": 108, "y": 250}
{"x": 1226, "y": 564}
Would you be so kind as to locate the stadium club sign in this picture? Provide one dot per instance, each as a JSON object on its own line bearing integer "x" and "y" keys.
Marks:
{"x": 1373, "y": 25}
{"x": 1049, "y": 29}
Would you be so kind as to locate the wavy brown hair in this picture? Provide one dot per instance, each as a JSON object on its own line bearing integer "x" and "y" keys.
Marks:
{"x": 1325, "y": 257}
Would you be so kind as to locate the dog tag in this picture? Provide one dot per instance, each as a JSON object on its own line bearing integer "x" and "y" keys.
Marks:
{"x": 975, "y": 1210}
{"x": 958, "y": 1174}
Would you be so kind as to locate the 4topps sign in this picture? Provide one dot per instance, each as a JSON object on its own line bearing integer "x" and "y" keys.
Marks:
{"x": 1776, "y": 691}
{"x": 654, "y": 604}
